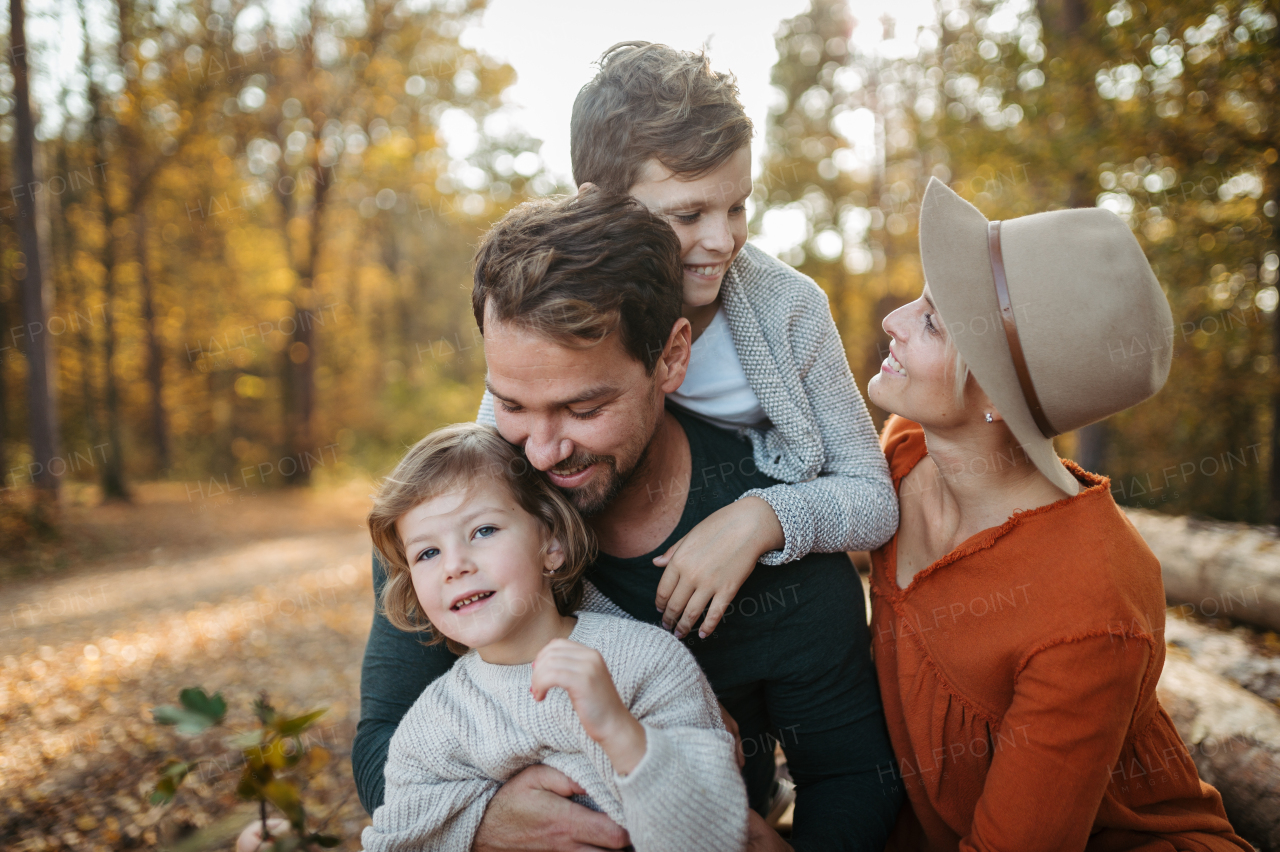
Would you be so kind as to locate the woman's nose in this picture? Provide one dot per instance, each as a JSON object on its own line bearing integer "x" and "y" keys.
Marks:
{"x": 892, "y": 324}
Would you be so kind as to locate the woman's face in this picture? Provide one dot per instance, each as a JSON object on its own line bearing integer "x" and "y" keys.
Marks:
{"x": 917, "y": 379}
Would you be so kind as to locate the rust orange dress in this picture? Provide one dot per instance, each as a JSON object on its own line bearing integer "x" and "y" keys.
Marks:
{"x": 1018, "y": 675}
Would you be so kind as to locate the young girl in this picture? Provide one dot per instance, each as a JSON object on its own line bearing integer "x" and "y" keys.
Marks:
{"x": 767, "y": 360}
{"x": 485, "y": 555}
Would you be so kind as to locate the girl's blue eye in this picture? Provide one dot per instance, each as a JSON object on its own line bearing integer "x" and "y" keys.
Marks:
{"x": 429, "y": 553}
{"x": 486, "y": 531}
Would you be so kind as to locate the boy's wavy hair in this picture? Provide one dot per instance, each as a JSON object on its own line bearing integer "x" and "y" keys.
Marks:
{"x": 650, "y": 101}
{"x": 455, "y": 457}
{"x": 578, "y": 269}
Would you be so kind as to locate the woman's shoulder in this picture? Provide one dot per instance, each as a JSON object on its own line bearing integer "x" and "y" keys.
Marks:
{"x": 903, "y": 443}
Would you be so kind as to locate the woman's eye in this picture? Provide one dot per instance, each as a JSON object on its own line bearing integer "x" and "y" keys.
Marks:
{"x": 486, "y": 531}
{"x": 928, "y": 323}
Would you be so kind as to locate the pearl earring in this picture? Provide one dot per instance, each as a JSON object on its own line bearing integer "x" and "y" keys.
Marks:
{"x": 989, "y": 418}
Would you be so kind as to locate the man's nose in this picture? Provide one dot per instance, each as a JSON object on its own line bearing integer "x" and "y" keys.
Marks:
{"x": 545, "y": 448}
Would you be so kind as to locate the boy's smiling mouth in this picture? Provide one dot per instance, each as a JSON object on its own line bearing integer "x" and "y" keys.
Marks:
{"x": 713, "y": 270}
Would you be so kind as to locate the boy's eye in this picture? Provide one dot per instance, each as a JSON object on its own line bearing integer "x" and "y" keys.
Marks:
{"x": 738, "y": 209}
{"x": 686, "y": 218}
{"x": 508, "y": 408}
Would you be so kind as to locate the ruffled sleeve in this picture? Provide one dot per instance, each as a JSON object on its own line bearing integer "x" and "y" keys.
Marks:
{"x": 1055, "y": 747}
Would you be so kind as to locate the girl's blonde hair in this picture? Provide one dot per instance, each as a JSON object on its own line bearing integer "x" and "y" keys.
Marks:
{"x": 455, "y": 457}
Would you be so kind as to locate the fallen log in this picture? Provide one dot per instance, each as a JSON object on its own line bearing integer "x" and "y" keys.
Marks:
{"x": 1234, "y": 654}
{"x": 1216, "y": 569}
{"x": 1234, "y": 739}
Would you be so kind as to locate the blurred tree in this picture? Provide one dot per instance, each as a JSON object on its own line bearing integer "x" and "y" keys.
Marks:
{"x": 264, "y": 232}
{"x": 37, "y": 295}
{"x": 1163, "y": 113}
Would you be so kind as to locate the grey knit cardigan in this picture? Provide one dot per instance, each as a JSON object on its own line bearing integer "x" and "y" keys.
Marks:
{"x": 820, "y": 442}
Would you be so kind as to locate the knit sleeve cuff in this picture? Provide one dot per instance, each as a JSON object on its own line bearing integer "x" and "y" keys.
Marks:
{"x": 651, "y": 778}
{"x": 796, "y": 519}
{"x": 485, "y": 416}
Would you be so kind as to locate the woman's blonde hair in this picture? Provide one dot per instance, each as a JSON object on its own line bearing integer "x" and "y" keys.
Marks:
{"x": 454, "y": 457}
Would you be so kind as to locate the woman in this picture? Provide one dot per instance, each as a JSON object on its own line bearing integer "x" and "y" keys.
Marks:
{"x": 1018, "y": 617}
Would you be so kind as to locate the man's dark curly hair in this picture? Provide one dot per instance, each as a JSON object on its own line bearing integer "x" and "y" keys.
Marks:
{"x": 578, "y": 269}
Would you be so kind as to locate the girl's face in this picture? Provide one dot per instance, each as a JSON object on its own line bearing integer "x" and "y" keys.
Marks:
{"x": 917, "y": 378}
{"x": 708, "y": 214}
{"x": 477, "y": 560}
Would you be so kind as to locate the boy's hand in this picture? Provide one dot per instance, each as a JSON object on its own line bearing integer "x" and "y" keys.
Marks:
{"x": 581, "y": 672}
{"x": 706, "y": 568}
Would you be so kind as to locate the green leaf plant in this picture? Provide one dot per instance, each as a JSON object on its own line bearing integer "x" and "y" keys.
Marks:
{"x": 275, "y": 753}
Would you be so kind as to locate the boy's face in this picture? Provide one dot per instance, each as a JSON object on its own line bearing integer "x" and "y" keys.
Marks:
{"x": 709, "y": 215}
{"x": 477, "y": 561}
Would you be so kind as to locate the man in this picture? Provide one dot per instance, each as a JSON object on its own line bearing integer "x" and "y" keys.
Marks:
{"x": 579, "y": 303}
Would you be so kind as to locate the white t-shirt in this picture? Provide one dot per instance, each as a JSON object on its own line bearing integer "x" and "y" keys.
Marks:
{"x": 715, "y": 388}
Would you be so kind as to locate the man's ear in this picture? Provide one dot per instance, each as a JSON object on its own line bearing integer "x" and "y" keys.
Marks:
{"x": 552, "y": 555}
{"x": 674, "y": 362}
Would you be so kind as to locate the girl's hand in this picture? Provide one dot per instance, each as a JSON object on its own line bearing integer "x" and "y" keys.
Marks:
{"x": 706, "y": 568}
{"x": 581, "y": 672}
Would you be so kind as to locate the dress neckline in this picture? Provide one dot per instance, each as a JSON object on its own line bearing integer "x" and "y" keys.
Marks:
{"x": 1091, "y": 483}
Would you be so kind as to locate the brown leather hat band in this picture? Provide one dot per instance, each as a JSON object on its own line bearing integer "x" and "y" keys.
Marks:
{"x": 1011, "y": 331}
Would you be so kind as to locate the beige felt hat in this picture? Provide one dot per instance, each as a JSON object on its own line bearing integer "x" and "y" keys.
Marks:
{"x": 1057, "y": 314}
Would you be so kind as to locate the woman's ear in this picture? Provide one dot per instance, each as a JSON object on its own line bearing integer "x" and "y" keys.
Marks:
{"x": 989, "y": 411}
{"x": 552, "y": 556}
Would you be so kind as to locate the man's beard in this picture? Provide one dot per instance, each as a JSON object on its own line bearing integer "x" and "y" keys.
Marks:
{"x": 594, "y": 497}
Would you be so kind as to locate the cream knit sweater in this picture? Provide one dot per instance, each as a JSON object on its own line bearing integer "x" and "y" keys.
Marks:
{"x": 478, "y": 726}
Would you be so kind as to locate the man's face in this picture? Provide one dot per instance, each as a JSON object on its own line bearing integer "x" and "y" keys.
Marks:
{"x": 584, "y": 415}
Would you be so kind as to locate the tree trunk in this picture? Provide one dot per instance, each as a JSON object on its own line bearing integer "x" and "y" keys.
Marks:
{"x": 300, "y": 356}
{"x": 112, "y": 478}
{"x": 37, "y": 295}
{"x": 155, "y": 354}
{"x": 1216, "y": 569}
{"x": 1234, "y": 739}
{"x": 1273, "y": 509}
